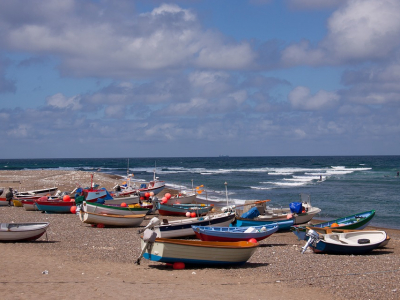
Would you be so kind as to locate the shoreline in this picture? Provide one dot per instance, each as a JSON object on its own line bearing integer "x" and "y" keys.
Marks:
{"x": 86, "y": 263}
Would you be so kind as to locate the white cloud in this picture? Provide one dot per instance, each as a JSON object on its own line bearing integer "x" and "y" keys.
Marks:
{"x": 360, "y": 30}
{"x": 90, "y": 44}
{"x": 301, "y": 98}
{"x": 60, "y": 101}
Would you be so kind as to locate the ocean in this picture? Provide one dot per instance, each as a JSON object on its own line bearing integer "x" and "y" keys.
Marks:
{"x": 339, "y": 185}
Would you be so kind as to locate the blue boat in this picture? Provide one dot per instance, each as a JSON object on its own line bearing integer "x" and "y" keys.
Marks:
{"x": 283, "y": 225}
{"x": 234, "y": 234}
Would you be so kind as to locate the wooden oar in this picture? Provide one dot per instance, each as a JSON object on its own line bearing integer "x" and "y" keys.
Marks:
{"x": 256, "y": 202}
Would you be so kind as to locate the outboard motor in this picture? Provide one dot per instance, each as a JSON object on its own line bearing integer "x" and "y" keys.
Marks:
{"x": 149, "y": 237}
{"x": 153, "y": 222}
{"x": 313, "y": 238}
{"x": 228, "y": 208}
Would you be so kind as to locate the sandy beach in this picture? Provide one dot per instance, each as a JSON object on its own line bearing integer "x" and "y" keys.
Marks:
{"x": 77, "y": 261}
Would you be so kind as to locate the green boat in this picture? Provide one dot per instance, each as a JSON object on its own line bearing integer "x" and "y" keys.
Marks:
{"x": 357, "y": 221}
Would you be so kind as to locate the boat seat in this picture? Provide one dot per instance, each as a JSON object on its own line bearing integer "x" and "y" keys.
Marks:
{"x": 4, "y": 227}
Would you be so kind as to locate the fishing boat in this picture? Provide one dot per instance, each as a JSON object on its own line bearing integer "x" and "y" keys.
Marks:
{"x": 234, "y": 234}
{"x": 193, "y": 252}
{"x": 40, "y": 192}
{"x": 130, "y": 199}
{"x": 54, "y": 206}
{"x": 283, "y": 225}
{"x": 356, "y": 221}
{"x": 113, "y": 209}
{"x": 111, "y": 220}
{"x": 200, "y": 252}
{"x": 328, "y": 230}
{"x": 154, "y": 186}
{"x": 183, "y": 227}
{"x": 183, "y": 209}
{"x": 29, "y": 205}
{"x": 355, "y": 242}
{"x": 183, "y": 198}
{"x": 18, "y": 232}
{"x": 300, "y": 212}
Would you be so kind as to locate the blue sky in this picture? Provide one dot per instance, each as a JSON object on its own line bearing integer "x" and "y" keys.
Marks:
{"x": 199, "y": 78}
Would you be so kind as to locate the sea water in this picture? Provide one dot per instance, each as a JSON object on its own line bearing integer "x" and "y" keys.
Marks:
{"x": 339, "y": 185}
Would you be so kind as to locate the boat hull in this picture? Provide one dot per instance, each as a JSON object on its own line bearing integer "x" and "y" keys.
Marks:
{"x": 283, "y": 225}
{"x": 182, "y": 209}
{"x": 111, "y": 220}
{"x": 200, "y": 253}
{"x": 233, "y": 234}
{"x": 55, "y": 206}
{"x": 19, "y": 232}
{"x": 113, "y": 210}
{"x": 183, "y": 228}
{"x": 347, "y": 243}
{"x": 120, "y": 200}
{"x": 357, "y": 221}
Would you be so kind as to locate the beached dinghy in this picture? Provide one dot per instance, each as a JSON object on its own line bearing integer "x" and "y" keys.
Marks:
{"x": 111, "y": 220}
{"x": 282, "y": 224}
{"x": 40, "y": 192}
{"x": 328, "y": 230}
{"x": 29, "y": 205}
{"x": 18, "y": 232}
{"x": 183, "y": 209}
{"x": 355, "y": 242}
{"x": 183, "y": 228}
{"x": 357, "y": 221}
{"x": 113, "y": 210}
{"x": 297, "y": 212}
{"x": 195, "y": 252}
{"x": 234, "y": 234}
{"x": 54, "y": 206}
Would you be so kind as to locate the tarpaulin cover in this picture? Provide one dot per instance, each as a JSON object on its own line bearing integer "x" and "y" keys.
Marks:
{"x": 295, "y": 207}
{"x": 251, "y": 214}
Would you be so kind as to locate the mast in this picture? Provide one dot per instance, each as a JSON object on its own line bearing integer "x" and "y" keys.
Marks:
{"x": 127, "y": 170}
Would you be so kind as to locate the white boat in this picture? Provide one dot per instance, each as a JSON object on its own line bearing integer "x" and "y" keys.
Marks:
{"x": 182, "y": 198}
{"x": 183, "y": 227}
{"x": 200, "y": 252}
{"x": 40, "y": 192}
{"x": 155, "y": 186}
{"x": 111, "y": 220}
{"x": 113, "y": 210}
{"x": 354, "y": 242}
{"x": 305, "y": 215}
{"x": 195, "y": 252}
{"x": 18, "y": 232}
{"x": 132, "y": 199}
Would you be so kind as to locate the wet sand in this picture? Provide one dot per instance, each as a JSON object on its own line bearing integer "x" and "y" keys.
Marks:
{"x": 83, "y": 262}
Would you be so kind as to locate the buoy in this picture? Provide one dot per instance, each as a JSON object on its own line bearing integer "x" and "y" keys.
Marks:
{"x": 167, "y": 195}
{"x": 335, "y": 225}
{"x": 289, "y": 216}
{"x": 151, "y": 194}
{"x": 193, "y": 214}
{"x": 141, "y": 198}
{"x": 147, "y": 195}
{"x": 123, "y": 204}
{"x": 66, "y": 198}
{"x": 73, "y": 209}
{"x": 252, "y": 240}
{"x": 188, "y": 214}
{"x": 178, "y": 265}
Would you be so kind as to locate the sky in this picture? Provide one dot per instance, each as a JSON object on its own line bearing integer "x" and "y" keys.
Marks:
{"x": 125, "y": 78}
